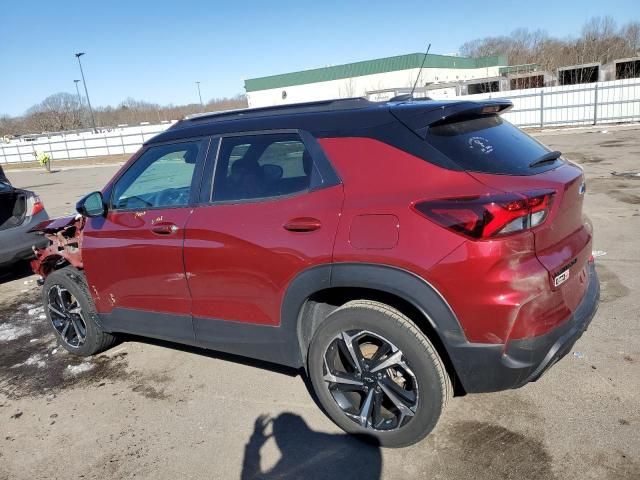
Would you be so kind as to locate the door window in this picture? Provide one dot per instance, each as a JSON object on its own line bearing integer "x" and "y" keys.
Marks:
{"x": 262, "y": 166}
{"x": 161, "y": 177}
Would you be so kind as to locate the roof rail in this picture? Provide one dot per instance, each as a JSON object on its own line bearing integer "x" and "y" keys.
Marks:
{"x": 323, "y": 105}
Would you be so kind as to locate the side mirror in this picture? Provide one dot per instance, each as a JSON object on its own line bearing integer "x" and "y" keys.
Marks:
{"x": 91, "y": 205}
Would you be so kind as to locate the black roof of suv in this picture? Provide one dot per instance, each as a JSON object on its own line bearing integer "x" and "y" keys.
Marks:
{"x": 342, "y": 117}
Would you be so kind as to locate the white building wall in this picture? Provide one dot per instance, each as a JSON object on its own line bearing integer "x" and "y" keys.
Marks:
{"x": 358, "y": 86}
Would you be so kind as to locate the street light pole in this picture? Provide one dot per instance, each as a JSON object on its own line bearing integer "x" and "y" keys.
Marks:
{"x": 84, "y": 82}
{"x": 79, "y": 100}
{"x": 200, "y": 95}
{"x": 78, "y": 92}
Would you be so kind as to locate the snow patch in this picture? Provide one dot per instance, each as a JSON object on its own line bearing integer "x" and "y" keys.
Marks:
{"x": 12, "y": 332}
{"x": 78, "y": 369}
{"x": 36, "y": 311}
{"x": 34, "y": 360}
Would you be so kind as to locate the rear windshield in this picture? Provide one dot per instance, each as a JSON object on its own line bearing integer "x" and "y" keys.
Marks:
{"x": 489, "y": 144}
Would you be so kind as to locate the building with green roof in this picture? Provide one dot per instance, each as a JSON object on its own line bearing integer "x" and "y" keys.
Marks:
{"x": 359, "y": 78}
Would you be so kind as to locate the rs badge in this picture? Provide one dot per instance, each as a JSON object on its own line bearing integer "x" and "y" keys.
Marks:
{"x": 560, "y": 279}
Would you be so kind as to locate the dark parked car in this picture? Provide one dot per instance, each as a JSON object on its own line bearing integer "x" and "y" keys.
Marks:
{"x": 398, "y": 252}
{"x": 20, "y": 211}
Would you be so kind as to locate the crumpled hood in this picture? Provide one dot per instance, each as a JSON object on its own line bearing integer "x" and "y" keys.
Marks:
{"x": 56, "y": 224}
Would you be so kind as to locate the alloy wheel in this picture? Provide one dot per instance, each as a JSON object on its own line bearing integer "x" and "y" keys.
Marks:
{"x": 66, "y": 316}
{"x": 370, "y": 380}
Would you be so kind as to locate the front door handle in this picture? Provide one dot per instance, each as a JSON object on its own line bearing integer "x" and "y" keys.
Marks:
{"x": 302, "y": 224}
{"x": 164, "y": 229}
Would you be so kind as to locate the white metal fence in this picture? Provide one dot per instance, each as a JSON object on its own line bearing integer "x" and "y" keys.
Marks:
{"x": 586, "y": 104}
{"x": 80, "y": 144}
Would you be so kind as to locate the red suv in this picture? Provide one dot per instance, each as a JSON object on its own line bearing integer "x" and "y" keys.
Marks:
{"x": 396, "y": 251}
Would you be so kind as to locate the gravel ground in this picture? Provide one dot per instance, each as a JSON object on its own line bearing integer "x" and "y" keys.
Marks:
{"x": 155, "y": 410}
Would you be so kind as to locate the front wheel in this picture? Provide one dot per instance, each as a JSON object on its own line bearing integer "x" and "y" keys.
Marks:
{"x": 376, "y": 374}
{"x": 71, "y": 313}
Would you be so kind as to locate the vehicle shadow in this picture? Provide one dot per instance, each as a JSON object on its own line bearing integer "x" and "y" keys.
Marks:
{"x": 307, "y": 454}
{"x": 229, "y": 357}
{"x": 16, "y": 271}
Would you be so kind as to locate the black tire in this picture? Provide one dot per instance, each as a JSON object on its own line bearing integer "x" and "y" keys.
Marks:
{"x": 432, "y": 383}
{"x": 72, "y": 281}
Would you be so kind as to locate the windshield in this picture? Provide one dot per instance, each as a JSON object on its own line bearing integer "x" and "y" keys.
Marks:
{"x": 489, "y": 144}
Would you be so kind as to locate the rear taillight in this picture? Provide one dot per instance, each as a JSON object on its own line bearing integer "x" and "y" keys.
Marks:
{"x": 38, "y": 206}
{"x": 491, "y": 215}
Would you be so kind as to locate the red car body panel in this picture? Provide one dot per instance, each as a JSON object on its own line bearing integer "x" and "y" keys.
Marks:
{"x": 499, "y": 289}
{"x": 240, "y": 258}
{"x": 129, "y": 265}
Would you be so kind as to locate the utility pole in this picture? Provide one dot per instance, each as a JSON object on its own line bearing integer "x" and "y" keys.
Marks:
{"x": 86, "y": 91}
{"x": 200, "y": 95}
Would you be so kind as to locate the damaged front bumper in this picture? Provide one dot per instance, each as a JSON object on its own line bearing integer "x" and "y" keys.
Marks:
{"x": 65, "y": 241}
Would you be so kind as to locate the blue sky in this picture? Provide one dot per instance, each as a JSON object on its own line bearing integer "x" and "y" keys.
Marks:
{"x": 156, "y": 50}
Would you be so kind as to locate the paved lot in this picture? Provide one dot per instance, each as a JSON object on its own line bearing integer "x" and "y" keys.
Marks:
{"x": 160, "y": 411}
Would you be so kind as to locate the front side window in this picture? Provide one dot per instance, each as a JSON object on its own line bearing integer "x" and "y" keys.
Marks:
{"x": 161, "y": 177}
{"x": 262, "y": 166}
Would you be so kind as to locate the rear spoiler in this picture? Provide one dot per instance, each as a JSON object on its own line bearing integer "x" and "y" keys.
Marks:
{"x": 420, "y": 116}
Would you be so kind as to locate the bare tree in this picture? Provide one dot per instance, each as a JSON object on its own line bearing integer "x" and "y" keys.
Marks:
{"x": 348, "y": 90}
{"x": 600, "y": 41}
{"x": 631, "y": 35}
{"x": 62, "y": 111}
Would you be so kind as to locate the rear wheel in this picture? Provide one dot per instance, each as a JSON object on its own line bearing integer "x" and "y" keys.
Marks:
{"x": 376, "y": 374}
{"x": 71, "y": 313}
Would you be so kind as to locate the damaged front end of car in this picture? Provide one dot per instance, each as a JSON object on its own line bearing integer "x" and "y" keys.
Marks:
{"x": 65, "y": 242}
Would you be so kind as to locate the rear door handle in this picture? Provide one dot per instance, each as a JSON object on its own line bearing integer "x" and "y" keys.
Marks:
{"x": 164, "y": 229}
{"x": 302, "y": 224}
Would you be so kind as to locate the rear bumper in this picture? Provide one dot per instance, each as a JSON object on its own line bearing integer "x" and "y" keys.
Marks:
{"x": 489, "y": 368}
{"x": 16, "y": 243}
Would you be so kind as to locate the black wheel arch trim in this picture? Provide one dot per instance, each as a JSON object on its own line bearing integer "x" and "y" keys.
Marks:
{"x": 384, "y": 278}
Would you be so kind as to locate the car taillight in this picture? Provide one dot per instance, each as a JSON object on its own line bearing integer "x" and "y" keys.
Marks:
{"x": 491, "y": 215}
{"x": 38, "y": 206}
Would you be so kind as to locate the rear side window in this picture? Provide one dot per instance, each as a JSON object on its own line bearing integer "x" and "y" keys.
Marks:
{"x": 488, "y": 144}
{"x": 262, "y": 166}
